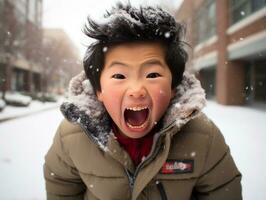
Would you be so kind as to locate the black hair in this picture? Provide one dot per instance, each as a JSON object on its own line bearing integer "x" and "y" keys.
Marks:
{"x": 125, "y": 23}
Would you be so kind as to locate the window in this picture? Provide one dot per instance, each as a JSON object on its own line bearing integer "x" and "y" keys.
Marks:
{"x": 20, "y": 5}
{"x": 208, "y": 81}
{"x": 205, "y": 22}
{"x": 2, "y": 31}
{"x": 32, "y": 10}
{"x": 243, "y": 8}
{"x": 39, "y": 13}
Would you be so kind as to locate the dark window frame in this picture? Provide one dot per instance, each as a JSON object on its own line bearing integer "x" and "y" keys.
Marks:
{"x": 240, "y": 9}
{"x": 205, "y": 25}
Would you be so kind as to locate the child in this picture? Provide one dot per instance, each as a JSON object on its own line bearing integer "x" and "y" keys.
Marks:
{"x": 134, "y": 127}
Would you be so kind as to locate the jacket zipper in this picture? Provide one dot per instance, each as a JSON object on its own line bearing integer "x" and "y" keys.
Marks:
{"x": 161, "y": 190}
{"x": 132, "y": 177}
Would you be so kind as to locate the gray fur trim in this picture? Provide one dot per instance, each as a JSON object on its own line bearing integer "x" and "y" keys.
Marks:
{"x": 189, "y": 100}
{"x": 84, "y": 108}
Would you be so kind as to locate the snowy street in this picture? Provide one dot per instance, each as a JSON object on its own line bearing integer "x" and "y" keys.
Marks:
{"x": 24, "y": 142}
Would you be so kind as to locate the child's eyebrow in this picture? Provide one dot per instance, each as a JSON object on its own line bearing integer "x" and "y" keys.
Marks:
{"x": 144, "y": 64}
{"x": 113, "y": 63}
{"x": 153, "y": 62}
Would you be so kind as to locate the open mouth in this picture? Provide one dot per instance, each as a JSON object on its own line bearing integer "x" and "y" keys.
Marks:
{"x": 136, "y": 117}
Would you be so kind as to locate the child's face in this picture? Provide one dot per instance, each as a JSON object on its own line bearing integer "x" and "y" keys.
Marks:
{"x": 135, "y": 86}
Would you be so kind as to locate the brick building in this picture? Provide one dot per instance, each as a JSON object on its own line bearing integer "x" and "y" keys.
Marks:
{"x": 20, "y": 39}
{"x": 228, "y": 39}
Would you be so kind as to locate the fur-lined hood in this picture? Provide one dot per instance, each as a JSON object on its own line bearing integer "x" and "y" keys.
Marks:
{"x": 83, "y": 107}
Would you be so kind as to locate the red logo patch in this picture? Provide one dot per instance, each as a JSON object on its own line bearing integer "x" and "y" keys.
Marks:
{"x": 177, "y": 167}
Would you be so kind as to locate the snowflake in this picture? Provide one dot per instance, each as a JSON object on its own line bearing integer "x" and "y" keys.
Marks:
{"x": 167, "y": 34}
{"x": 105, "y": 49}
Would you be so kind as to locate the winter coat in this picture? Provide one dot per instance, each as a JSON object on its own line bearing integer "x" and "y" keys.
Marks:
{"x": 189, "y": 158}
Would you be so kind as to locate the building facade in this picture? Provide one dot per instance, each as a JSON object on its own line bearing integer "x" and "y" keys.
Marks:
{"x": 228, "y": 39}
{"x": 21, "y": 41}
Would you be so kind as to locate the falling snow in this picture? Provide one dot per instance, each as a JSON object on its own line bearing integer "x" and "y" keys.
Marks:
{"x": 193, "y": 154}
{"x": 178, "y": 105}
{"x": 105, "y": 49}
{"x": 167, "y": 34}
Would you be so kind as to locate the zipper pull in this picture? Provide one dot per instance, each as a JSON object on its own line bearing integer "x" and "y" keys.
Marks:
{"x": 131, "y": 179}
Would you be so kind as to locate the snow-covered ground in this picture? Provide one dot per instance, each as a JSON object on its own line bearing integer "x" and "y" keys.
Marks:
{"x": 10, "y": 112}
{"x": 244, "y": 129}
{"x": 24, "y": 142}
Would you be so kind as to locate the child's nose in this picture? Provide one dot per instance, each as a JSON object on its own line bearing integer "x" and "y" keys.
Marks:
{"x": 137, "y": 92}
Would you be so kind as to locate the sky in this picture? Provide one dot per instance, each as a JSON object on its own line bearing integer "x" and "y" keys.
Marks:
{"x": 71, "y": 15}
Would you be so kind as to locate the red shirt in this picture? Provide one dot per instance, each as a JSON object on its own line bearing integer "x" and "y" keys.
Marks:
{"x": 136, "y": 148}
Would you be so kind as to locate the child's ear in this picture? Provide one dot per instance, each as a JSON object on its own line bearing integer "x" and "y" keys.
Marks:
{"x": 99, "y": 95}
{"x": 173, "y": 93}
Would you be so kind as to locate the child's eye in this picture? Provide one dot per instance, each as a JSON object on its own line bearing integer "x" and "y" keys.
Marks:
{"x": 118, "y": 76}
{"x": 153, "y": 75}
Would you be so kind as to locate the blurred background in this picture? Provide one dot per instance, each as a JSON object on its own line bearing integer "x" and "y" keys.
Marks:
{"x": 42, "y": 47}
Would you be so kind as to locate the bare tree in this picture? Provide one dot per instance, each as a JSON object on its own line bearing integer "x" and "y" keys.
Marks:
{"x": 59, "y": 58}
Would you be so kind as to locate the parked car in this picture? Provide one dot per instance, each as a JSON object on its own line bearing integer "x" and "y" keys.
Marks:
{"x": 17, "y": 99}
{"x": 44, "y": 97}
{"x": 2, "y": 104}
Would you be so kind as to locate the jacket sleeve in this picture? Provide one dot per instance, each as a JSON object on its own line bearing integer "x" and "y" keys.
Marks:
{"x": 220, "y": 178}
{"x": 61, "y": 177}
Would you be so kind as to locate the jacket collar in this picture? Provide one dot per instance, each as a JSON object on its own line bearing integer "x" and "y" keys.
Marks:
{"x": 83, "y": 107}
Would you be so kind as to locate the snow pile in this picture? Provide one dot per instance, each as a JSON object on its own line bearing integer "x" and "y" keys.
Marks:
{"x": 17, "y": 99}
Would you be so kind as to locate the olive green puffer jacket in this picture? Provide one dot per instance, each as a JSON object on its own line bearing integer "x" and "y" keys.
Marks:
{"x": 189, "y": 158}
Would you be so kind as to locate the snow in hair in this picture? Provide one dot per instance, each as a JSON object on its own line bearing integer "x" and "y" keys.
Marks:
{"x": 125, "y": 22}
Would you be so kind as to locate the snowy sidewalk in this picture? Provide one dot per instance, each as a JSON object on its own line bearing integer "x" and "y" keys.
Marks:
{"x": 244, "y": 129}
{"x": 12, "y": 112}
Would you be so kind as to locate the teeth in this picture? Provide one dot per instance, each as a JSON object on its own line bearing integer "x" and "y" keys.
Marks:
{"x": 141, "y": 126}
{"x": 137, "y": 108}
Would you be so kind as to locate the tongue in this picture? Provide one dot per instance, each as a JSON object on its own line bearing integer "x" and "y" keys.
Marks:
{"x": 136, "y": 118}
